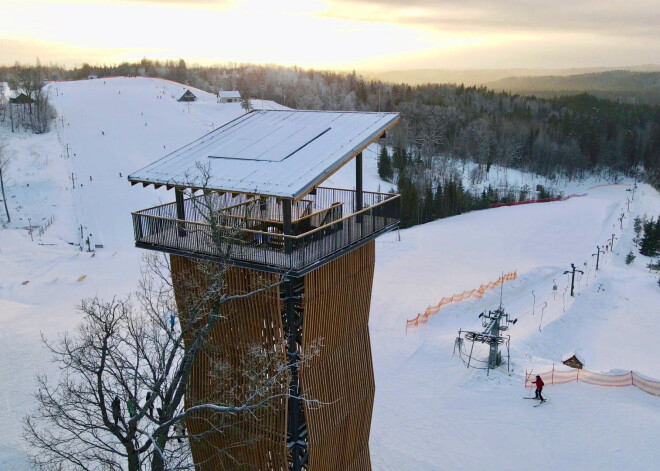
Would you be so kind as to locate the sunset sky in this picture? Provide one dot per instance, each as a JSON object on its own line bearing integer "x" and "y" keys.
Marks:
{"x": 337, "y": 34}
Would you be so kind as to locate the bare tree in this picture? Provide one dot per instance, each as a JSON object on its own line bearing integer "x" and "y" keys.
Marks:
{"x": 31, "y": 80}
{"x": 4, "y": 163}
{"x": 126, "y": 372}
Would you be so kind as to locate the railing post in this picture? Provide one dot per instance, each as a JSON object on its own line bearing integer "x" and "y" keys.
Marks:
{"x": 180, "y": 212}
{"x": 138, "y": 227}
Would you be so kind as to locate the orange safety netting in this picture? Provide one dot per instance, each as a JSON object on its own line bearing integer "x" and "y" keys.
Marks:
{"x": 544, "y": 200}
{"x": 598, "y": 379}
{"x": 457, "y": 298}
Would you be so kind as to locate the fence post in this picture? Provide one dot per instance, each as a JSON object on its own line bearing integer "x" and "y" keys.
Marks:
{"x": 553, "y": 374}
{"x": 578, "y": 375}
{"x": 632, "y": 380}
{"x": 528, "y": 376}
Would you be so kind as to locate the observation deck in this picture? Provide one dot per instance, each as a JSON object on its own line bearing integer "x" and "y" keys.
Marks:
{"x": 262, "y": 205}
{"x": 249, "y": 231}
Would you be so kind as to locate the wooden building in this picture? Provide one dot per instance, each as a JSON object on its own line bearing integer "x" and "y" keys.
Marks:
{"x": 21, "y": 99}
{"x": 263, "y": 179}
{"x": 573, "y": 360}
{"x": 188, "y": 96}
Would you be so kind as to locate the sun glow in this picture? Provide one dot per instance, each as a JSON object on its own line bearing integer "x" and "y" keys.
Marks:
{"x": 289, "y": 32}
{"x": 336, "y": 34}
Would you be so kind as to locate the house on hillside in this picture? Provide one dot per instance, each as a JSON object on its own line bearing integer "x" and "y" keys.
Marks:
{"x": 571, "y": 359}
{"x": 232, "y": 96}
{"x": 21, "y": 99}
{"x": 188, "y": 96}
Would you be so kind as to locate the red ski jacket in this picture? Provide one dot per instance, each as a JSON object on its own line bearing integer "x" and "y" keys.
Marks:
{"x": 539, "y": 383}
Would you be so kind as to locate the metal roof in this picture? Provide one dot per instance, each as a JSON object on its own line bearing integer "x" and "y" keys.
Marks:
{"x": 283, "y": 153}
{"x": 229, "y": 94}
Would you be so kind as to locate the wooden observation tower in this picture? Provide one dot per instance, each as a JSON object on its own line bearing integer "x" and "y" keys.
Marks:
{"x": 261, "y": 176}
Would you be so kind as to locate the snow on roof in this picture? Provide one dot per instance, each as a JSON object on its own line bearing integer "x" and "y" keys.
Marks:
{"x": 271, "y": 152}
{"x": 569, "y": 355}
{"x": 229, "y": 94}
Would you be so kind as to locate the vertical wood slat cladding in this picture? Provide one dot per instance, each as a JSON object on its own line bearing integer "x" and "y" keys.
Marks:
{"x": 336, "y": 315}
{"x": 336, "y": 304}
{"x": 255, "y": 443}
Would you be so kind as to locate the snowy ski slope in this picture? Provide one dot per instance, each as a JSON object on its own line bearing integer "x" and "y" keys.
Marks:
{"x": 431, "y": 413}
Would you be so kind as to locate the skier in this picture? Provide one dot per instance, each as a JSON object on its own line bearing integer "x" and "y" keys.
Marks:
{"x": 539, "y": 387}
{"x": 172, "y": 322}
{"x": 116, "y": 409}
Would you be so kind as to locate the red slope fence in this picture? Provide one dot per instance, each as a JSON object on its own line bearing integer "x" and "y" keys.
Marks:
{"x": 457, "y": 298}
{"x": 543, "y": 200}
{"x": 598, "y": 379}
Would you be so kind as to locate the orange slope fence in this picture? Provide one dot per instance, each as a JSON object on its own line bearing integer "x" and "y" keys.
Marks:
{"x": 598, "y": 379}
{"x": 457, "y": 298}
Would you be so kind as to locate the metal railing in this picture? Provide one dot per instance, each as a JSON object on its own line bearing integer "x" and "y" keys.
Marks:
{"x": 324, "y": 225}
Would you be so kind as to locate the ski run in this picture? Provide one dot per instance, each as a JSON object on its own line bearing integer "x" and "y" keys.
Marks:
{"x": 430, "y": 411}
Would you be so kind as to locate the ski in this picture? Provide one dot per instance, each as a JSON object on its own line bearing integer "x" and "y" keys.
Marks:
{"x": 536, "y": 405}
{"x": 534, "y": 398}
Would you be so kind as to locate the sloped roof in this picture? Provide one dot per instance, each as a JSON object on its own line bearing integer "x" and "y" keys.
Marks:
{"x": 282, "y": 153}
{"x": 188, "y": 94}
{"x": 21, "y": 99}
{"x": 570, "y": 355}
{"x": 229, "y": 94}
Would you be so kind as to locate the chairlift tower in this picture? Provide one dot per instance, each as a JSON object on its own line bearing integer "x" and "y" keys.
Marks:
{"x": 493, "y": 329}
{"x": 315, "y": 243}
{"x": 494, "y": 323}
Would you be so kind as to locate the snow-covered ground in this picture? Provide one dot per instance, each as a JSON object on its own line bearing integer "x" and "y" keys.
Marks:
{"x": 430, "y": 411}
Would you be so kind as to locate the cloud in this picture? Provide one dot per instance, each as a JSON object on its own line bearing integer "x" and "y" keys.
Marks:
{"x": 606, "y": 17}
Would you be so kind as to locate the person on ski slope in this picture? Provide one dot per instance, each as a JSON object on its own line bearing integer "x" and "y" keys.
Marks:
{"x": 539, "y": 388}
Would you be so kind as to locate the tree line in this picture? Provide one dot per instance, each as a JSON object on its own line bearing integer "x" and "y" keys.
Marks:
{"x": 447, "y": 196}
{"x": 566, "y": 136}
{"x": 28, "y": 108}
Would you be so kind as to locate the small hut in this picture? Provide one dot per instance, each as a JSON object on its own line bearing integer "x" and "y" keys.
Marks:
{"x": 232, "y": 96}
{"x": 188, "y": 96}
{"x": 573, "y": 360}
{"x": 21, "y": 99}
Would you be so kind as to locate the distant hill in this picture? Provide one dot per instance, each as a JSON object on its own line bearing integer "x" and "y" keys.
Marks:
{"x": 478, "y": 77}
{"x": 615, "y": 80}
{"x": 624, "y": 85}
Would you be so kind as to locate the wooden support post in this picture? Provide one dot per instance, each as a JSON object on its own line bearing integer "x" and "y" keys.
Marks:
{"x": 180, "y": 212}
{"x": 287, "y": 225}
